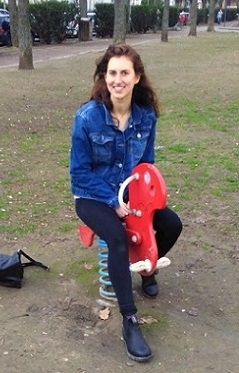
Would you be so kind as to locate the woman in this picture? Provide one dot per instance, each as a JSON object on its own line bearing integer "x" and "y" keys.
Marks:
{"x": 112, "y": 133}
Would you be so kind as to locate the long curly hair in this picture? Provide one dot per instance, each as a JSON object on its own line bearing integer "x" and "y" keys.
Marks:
{"x": 143, "y": 93}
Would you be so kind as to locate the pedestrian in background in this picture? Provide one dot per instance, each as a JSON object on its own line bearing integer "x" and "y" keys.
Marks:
{"x": 219, "y": 16}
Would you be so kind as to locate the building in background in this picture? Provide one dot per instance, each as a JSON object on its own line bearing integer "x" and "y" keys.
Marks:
{"x": 182, "y": 3}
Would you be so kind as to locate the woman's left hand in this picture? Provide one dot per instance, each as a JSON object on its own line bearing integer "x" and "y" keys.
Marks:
{"x": 121, "y": 212}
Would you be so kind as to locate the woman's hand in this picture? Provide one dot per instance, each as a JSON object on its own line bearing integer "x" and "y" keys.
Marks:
{"x": 121, "y": 211}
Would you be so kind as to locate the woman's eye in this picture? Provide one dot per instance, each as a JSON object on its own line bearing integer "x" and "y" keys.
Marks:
{"x": 114, "y": 73}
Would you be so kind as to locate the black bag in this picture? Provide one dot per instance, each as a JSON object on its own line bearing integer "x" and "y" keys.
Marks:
{"x": 12, "y": 268}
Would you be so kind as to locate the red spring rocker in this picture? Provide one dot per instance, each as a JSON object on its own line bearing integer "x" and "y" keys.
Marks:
{"x": 147, "y": 193}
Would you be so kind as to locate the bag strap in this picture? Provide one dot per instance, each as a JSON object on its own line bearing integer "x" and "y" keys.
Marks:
{"x": 32, "y": 262}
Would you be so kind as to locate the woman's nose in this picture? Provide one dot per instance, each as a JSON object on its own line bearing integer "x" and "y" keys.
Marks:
{"x": 118, "y": 78}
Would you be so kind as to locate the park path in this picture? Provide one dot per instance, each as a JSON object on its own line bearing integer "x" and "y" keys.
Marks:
{"x": 68, "y": 49}
{"x": 72, "y": 48}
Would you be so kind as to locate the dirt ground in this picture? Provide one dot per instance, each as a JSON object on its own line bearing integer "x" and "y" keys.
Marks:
{"x": 51, "y": 324}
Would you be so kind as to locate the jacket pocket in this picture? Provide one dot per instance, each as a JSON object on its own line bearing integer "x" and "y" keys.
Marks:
{"x": 103, "y": 148}
{"x": 138, "y": 143}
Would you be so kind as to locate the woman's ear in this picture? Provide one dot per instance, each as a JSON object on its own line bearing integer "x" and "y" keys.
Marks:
{"x": 137, "y": 79}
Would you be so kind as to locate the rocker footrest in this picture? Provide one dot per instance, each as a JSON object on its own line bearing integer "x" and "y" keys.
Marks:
{"x": 86, "y": 235}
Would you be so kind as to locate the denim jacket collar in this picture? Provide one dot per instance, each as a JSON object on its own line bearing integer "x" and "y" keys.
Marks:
{"x": 135, "y": 117}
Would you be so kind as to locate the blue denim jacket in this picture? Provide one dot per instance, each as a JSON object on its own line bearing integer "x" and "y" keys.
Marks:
{"x": 102, "y": 156}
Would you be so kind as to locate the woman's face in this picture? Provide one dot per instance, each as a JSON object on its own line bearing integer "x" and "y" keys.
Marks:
{"x": 120, "y": 78}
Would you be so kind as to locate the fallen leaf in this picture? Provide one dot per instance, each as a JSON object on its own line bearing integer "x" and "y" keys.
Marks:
{"x": 147, "y": 320}
{"x": 104, "y": 314}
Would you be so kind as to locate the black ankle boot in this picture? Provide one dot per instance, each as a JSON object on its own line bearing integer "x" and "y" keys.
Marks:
{"x": 136, "y": 346}
{"x": 150, "y": 287}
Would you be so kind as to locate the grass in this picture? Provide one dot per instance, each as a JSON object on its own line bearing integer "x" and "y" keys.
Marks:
{"x": 84, "y": 273}
{"x": 196, "y": 145}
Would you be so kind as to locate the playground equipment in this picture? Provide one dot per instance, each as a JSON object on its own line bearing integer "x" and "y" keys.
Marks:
{"x": 146, "y": 191}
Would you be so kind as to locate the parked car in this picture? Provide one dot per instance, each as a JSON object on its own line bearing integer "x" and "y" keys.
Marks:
{"x": 4, "y": 11}
{"x": 72, "y": 28}
{"x": 5, "y": 35}
{"x": 5, "y": 32}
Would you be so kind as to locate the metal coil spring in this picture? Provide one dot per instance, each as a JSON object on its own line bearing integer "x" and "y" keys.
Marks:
{"x": 106, "y": 290}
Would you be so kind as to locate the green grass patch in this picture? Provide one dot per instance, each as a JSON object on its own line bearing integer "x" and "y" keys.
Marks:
{"x": 85, "y": 273}
{"x": 196, "y": 142}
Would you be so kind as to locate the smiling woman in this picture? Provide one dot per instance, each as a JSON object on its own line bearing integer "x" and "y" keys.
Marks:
{"x": 120, "y": 80}
{"x": 112, "y": 133}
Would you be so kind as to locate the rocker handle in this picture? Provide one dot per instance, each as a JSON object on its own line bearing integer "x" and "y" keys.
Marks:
{"x": 121, "y": 194}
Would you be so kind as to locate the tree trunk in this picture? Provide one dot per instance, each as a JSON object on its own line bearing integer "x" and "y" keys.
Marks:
{"x": 193, "y": 18}
{"x": 85, "y": 31}
{"x": 119, "y": 21}
{"x": 24, "y": 36}
{"x": 164, "y": 34}
{"x": 83, "y": 8}
{"x": 128, "y": 17}
{"x": 13, "y": 12}
{"x": 210, "y": 21}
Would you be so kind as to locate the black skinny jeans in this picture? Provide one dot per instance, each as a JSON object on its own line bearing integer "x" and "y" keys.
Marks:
{"x": 104, "y": 221}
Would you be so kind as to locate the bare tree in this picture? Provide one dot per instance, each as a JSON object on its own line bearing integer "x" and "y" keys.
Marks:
{"x": 13, "y": 12}
{"x": 83, "y": 8}
{"x": 128, "y": 17}
{"x": 165, "y": 19}
{"x": 84, "y": 26}
{"x": 193, "y": 18}
{"x": 210, "y": 22}
{"x": 119, "y": 21}
{"x": 24, "y": 36}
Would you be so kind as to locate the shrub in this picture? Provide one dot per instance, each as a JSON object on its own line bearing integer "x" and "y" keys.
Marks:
{"x": 143, "y": 18}
{"x": 104, "y": 20}
{"x": 50, "y": 19}
{"x": 173, "y": 16}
